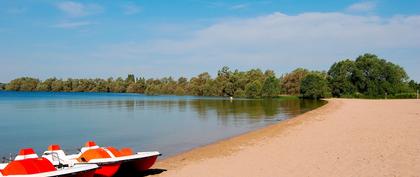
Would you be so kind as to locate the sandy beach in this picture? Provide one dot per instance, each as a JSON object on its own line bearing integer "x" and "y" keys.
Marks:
{"x": 343, "y": 138}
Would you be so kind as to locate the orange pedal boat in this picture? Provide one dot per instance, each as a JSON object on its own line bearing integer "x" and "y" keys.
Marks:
{"x": 109, "y": 159}
{"x": 28, "y": 164}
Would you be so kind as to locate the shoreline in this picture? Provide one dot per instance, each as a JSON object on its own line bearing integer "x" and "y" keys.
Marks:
{"x": 243, "y": 135}
{"x": 233, "y": 144}
{"x": 338, "y": 131}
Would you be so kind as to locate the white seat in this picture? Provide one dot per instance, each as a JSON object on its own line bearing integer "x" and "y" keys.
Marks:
{"x": 87, "y": 148}
{"x": 26, "y": 154}
{"x": 57, "y": 157}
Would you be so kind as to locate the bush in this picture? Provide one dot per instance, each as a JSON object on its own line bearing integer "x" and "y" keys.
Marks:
{"x": 403, "y": 96}
{"x": 253, "y": 89}
{"x": 314, "y": 86}
{"x": 23, "y": 84}
{"x": 369, "y": 75}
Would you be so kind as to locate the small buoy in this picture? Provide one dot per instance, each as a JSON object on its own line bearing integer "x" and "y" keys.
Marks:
{"x": 231, "y": 98}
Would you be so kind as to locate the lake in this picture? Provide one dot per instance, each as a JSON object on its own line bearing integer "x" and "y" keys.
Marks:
{"x": 169, "y": 124}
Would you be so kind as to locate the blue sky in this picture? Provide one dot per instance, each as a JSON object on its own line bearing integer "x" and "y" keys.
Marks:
{"x": 103, "y": 38}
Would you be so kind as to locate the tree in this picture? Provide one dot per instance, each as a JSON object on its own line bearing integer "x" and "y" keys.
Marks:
{"x": 181, "y": 86}
{"x": 99, "y": 85}
{"x": 269, "y": 73}
{"x": 83, "y": 85}
{"x": 255, "y": 74}
{"x": 119, "y": 86}
{"x": 23, "y": 84}
{"x": 2, "y": 86}
{"x": 314, "y": 85}
{"x": 239, "y": 80}
{"x": 168, "y": 85}
{"x": 270, "y": 87}
{"x": 182, "y": 81}
{"x": 291, "y": 81}
{"x": 377, "y": 77}
{"x": 67, "y": 85}
{"x": 130, "y": 79}
{"x": 152, "y": 90}
{"x": 368, "y": 76}
{"x": 240, "y": 93}
{"x": 75, "y": 86}
{"x": 201, "y": 85}
{"x": 253, "y": 89}
{"x": 341, "y": 78}
{"x": 57, "y": 85}
{"x": 414, "y": 86}
{"x": 46, "y": 85}
{"x": 179, "y": 91}
{"x": 135, "y": 88}
{"x": 223, "y": 82}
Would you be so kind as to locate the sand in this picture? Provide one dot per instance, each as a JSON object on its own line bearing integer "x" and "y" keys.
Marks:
{"x": 343, "y": 138}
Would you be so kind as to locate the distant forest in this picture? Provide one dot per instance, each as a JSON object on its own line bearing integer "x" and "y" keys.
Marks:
{"x": 368, "y": 76}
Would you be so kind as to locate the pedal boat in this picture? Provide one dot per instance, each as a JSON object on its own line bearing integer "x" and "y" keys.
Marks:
{"x": 109, "y": 159}
{"x": 28, "y": 164}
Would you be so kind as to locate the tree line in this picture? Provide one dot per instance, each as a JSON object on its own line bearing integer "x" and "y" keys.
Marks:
{"x": 368, "y": 76}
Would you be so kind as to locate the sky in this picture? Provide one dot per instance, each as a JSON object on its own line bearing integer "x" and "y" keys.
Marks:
{"x": 104, "y": 38}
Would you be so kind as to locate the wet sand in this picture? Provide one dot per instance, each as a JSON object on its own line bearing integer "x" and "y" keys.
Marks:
{"x": 343, "y": 138}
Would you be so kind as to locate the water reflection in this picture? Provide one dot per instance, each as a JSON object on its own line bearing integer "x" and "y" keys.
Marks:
{"x": 170, "y": 124}
{"x": 253, "y": 109}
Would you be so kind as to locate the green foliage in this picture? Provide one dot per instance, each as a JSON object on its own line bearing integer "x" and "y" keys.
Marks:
{"x": 57, "y": 86}
{"x": 180, "y": 91}
{"x": 2, "y": 86}
{"x": 130, "y": 79}
{"x": 270, "y": 86}
{"x": 341, "y": 78}
{"x": 314, "y": 85}
{"x": 369, "y": 76}
{"x": 224, "y": 79}
{"x": 366, "y": 77}
{"x": 135, "y": 88}
{"x": 240, "y": 93}
{"x": 413, "y": 86}
{"x": 201, "y": 85}
{"x": 23, "y": 84}
{"x": 411, "y": 95}
{"x": 291, "y": 81}
{"x": 152, "y": 90}
{"x": 119, "y": 85}
{"x": 253, "y": 89}
{"x": 378, "y": 76}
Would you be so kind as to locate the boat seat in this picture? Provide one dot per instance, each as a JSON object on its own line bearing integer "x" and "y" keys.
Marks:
{"x": 126, "y": 151}
{"x": 89, "y": 145}
{"x": 28, "y": 153}
{"x": 56, "y": 156}
{"x": 2, "y": 165}
{"x": 114, "y": 151}
{"x": 27, "y": 162}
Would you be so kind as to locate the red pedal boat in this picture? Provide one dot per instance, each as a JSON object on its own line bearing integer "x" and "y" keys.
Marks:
{"x": 109, "y": 159}
{"x": 28, "y": 164}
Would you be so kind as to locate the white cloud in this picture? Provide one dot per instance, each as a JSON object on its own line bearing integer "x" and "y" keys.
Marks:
{"x": 76, "y": 9}
{"x": 131, "y": 9}
{"x": 276, "y": 41}
{"x": 239, "y": 6}
{"x": 362, "y": 7}
{"x": 70, "y": 25}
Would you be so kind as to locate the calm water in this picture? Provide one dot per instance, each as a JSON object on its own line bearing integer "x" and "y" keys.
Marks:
{"x": 169, "y": 124}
